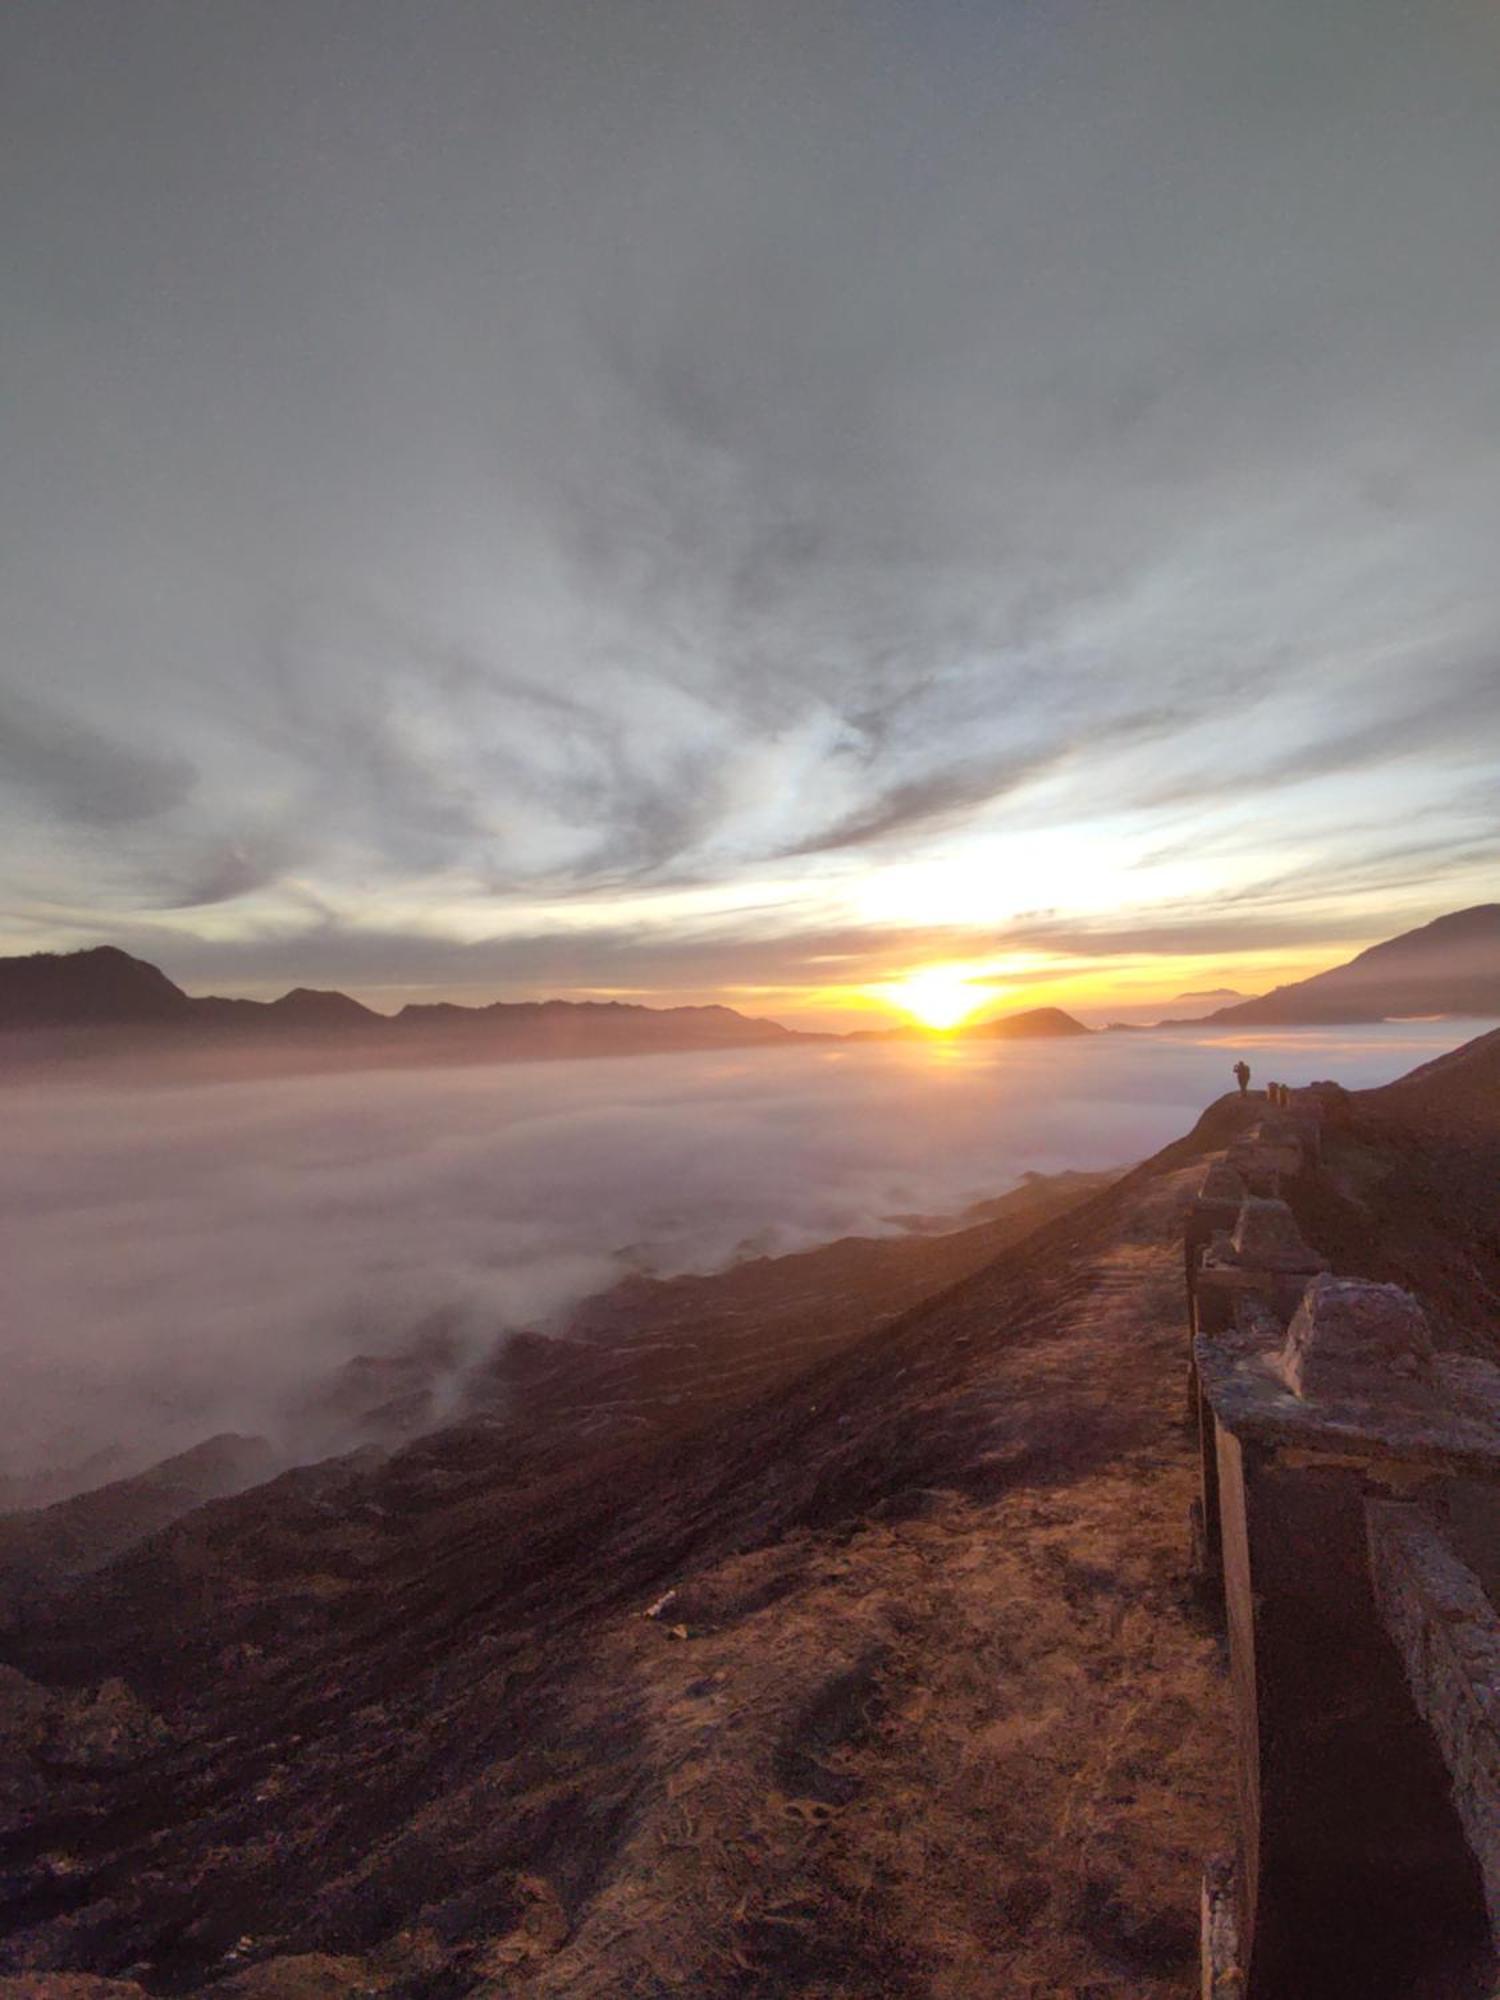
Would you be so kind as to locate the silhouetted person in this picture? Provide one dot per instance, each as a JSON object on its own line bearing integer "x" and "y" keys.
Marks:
{"x": 1242, "y": 1075}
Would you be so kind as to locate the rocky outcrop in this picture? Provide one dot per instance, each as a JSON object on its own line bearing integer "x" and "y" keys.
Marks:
{"x": 23, "y": 1704}
{"x": 60, "y": 1747}
{"x": 105, "y": 1730}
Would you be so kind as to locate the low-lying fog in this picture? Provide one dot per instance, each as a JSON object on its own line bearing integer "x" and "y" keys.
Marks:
{"x": 187, "y": 1260}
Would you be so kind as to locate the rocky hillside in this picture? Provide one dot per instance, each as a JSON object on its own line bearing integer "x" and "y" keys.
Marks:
{"x": 1409, "y": 1190}
{"x": 42, "y": 1548}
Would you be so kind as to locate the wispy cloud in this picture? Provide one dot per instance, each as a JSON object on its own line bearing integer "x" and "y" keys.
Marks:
{"x": 736, "y": 455}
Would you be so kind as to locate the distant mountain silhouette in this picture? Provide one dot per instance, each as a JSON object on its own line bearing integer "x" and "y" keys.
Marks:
{"x": 105, "y": 989}
{"x": 1450, "y": 966}
{"x": 587, "y": 1027}
{"x": 1213, "y": 993}
{"x": 312, "y": 1007}
{"x": 99, "y": 988}
{"x": 101, "y": 997}
{"x": 1037, "y": 1023}
{"x": 303, "y": 1010}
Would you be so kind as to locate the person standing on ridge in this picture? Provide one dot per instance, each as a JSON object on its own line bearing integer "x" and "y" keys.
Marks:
{"x": 1242, "y": 1075}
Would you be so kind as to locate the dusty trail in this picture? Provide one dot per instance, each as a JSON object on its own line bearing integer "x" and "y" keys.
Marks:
{"x": 982, "y": 1749}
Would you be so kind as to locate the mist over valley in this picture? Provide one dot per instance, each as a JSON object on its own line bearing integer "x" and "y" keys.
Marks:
{"x": 185, "y": 1261}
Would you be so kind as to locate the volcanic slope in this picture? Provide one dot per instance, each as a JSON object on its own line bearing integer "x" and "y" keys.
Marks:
{"x": 1408, "y": 1191}
{"x": 1450, "y": 966}
{"x": 923, "y": 1708}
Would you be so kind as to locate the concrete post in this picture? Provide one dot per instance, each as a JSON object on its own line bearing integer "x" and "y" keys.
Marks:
{"x": 1353, "y": 1873}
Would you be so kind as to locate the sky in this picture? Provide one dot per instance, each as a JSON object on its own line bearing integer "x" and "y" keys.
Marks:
{"x": 743, "y": 501}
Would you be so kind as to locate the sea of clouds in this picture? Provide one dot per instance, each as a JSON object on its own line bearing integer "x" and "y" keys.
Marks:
{"x": 184, "y": 1260}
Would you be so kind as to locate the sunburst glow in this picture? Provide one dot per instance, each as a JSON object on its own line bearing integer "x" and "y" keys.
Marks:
{"x": 939, "y": 996}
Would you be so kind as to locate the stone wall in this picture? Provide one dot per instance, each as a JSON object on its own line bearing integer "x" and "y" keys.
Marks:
{"x": 1348, "y": 1527}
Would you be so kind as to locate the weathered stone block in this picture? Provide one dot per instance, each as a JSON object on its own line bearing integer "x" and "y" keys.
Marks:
{"x": 1276, "y": 1140}
{"x": 1267, "y": 1237}
{"x": 1221, "y": 1974}
{"x": 1221, "y": 1285}
{"x": 1265, "y": 1258}
{"x": 1259, "y": 1167}
{"x": 1347, "y": 1331}
{"x": 1222, "y": 1183}
{"x": 1448, "y": 1636}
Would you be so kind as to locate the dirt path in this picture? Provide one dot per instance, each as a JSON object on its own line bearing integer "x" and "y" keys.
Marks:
{"x": 978, "y": 1751}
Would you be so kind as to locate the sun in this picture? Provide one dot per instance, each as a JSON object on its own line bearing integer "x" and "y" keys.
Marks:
{"x": 939, "y": 996}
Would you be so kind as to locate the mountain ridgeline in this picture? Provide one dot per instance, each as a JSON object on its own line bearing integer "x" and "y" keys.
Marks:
{"x": 1450, "y": 966}
{"x": 107, "y": 989}
{"x": 102, "y": 1000}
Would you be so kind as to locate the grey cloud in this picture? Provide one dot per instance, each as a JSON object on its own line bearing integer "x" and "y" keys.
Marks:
{"x": 1397, "y": 865}
{"x": 78, "y": 772}
{"x": 1452, "y": 708}
{"x": 1189, "y": 931}
{"x": 951, "y": 791}
{"x": 388, "y": 966}
{"x": 940, "y": 796}
{"x": 635, "y": 445}
{"x": 224, "y": 870}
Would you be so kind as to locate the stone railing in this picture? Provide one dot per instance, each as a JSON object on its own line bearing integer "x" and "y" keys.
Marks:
{"x": 1349, "y": 1526}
